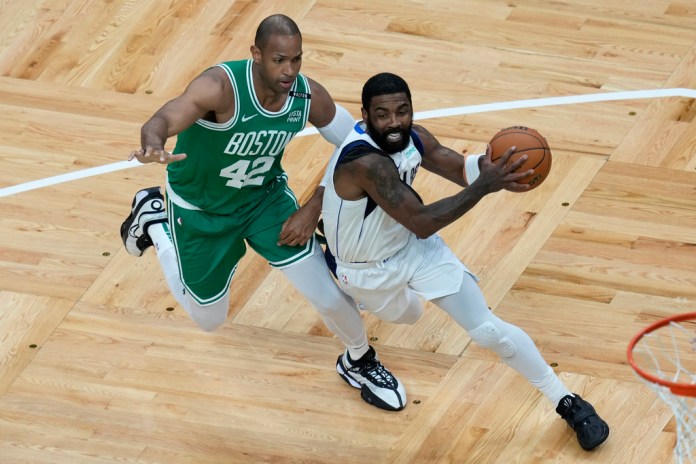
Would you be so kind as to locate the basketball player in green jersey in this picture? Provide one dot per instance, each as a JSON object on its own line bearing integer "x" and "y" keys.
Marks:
{"x": 226, "y": 190}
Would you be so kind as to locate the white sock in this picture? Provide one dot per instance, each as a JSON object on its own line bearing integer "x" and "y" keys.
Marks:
{"x": 551, "y": 386}
{"x": 357, "y": 353}
{"x": 159, "y": 233}
{"x": 160, "y": 236}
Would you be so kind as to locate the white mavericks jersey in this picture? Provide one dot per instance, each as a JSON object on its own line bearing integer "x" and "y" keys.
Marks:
{"x": 359, "y": 231}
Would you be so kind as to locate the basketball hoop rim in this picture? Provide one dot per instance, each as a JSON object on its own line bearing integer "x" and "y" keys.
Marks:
{"x": 677, "y": 388}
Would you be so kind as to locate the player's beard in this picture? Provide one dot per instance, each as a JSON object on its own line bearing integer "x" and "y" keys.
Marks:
{"x": 380, "y": 138}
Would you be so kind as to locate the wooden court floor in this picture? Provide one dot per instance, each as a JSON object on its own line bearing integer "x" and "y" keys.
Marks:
{"x": 99, "y": 365}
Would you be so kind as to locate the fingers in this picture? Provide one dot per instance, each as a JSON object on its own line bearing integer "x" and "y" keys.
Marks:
{"x": 504, "y": 160}
{"x": 163, "y": 155}
{"x": 515, "y": 187}
{"x": 285, "y": 237}
{"x": 135, "y": 154}
{"x": 506, "y": 156}
{"x": 175, "y": 158}
{"x": 516, "y": 164}
{"x": 511, "y": 167}
{"x": 515, "y": 176}
{"x": 166, "y": 157}
{"x": 511, "y": 179}
{"x": 150, "y": 155}
{"x": 144, "y": 155}
{"x": 295, "y": 241}
{"x": 291, "y": 238}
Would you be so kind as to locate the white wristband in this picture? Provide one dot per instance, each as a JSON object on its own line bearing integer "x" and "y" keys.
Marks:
{"x": 471, "y": 168}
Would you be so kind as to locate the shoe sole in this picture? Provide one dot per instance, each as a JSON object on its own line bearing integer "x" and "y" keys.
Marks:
{"x": 601, "y": 440}
{"x": 152, "y": 192}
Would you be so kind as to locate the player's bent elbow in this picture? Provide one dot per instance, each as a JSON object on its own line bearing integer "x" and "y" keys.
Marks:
{"x": 423, "y": 235}
{"x": 422, "y": 230}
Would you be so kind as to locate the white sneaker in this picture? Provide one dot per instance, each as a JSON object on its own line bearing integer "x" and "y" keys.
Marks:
{"x": 147, "y": 209}
{"x": 377, "y": 385}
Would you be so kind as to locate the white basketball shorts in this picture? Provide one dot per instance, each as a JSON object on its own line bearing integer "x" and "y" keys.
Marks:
{"x": 426, "y": 267}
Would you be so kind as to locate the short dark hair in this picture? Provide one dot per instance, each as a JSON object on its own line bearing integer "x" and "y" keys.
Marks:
{"x": 383, "y": 84}
{"x": 277, "y": 24}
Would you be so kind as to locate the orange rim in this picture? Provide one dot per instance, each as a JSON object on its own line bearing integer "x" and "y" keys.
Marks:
{"x": 683, "y": 389}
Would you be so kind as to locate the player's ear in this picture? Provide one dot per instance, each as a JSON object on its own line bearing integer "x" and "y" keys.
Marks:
{"x": 255, "y": 54}
{"x": 364, "y": 113}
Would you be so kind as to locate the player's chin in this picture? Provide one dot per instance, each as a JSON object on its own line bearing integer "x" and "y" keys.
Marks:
{"x": 284, "y": 87}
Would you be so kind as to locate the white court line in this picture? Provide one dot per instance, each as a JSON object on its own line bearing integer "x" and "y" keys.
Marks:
{"x": 446, "y": 112}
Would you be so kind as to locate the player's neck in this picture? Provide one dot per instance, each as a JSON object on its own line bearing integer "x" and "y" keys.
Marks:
{"x": 269, "y": 98}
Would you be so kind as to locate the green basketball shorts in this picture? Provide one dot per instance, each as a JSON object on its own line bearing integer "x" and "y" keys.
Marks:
{"x": 210, "y": 246}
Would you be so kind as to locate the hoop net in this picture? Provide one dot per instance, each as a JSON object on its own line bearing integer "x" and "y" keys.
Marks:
{"x": 663, "y": 355}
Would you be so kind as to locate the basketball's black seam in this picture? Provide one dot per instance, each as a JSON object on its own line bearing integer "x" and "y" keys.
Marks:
{"x": 543, "y": 141}
{"x": 527, "y": 149}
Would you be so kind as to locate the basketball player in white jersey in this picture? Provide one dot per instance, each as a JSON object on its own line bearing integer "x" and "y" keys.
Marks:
{"x": 386, "y": 250}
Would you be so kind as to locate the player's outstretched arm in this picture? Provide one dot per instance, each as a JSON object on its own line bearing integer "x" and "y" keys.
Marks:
{"x": 439, "y": 159}
{"x": 204, "y": 94}
{"x": 377, "y": 176}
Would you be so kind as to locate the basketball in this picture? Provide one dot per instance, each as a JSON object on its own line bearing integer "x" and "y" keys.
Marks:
{"x": 528, "y": 142}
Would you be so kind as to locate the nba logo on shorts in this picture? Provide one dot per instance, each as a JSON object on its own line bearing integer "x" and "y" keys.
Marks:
{"x": 344, "y": 278}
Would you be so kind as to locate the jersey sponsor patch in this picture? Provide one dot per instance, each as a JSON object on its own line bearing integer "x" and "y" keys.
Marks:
{"x": 295, "y": 116}
{"x": 304, "y": 95}
{"x": 410, "y": 151}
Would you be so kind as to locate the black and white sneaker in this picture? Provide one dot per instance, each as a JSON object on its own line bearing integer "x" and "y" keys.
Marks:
{"x": 147, "y": 209}
{"x": 591, "y": 430}
{"x": 377, "y": 385}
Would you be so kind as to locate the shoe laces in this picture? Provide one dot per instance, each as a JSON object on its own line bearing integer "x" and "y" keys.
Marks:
{"x": 567, "y": 406}
{"x": 576, "y": 411}
{"x": 376, "y": 372}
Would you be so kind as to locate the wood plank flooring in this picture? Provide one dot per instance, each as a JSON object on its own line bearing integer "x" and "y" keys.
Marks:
{"x": 98, "y": 364}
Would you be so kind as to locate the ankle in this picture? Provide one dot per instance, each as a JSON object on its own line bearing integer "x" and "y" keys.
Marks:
{"x": 364, "y": 356}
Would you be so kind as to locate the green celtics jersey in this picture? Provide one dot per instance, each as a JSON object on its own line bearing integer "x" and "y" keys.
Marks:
{"x": 232, "y": 164}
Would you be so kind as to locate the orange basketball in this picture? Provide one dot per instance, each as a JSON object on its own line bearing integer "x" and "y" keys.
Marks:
{"x": 528, "y": 142}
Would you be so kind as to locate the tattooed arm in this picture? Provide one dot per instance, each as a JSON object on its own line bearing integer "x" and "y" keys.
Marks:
{"x": 376, "y": 176}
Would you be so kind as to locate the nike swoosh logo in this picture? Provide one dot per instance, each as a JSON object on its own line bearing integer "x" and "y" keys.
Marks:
{"x": 246, "y": 118}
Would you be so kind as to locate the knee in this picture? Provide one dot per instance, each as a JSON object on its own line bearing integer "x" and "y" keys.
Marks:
{"x": 209, "y": 324}
{"x": 489, "y": 336}
{"x": 208, "y": 318}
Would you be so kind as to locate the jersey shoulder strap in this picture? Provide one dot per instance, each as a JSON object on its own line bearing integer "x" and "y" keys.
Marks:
{"x": 357, "y": 149}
